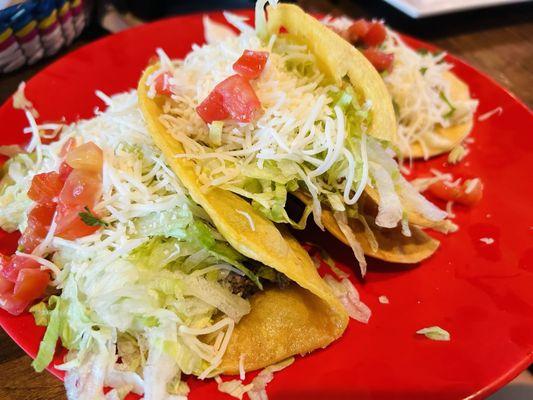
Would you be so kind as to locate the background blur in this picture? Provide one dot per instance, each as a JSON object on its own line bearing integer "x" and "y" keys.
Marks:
{"x": 496, "y": 40}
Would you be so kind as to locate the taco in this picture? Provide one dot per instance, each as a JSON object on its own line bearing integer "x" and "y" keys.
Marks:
{"x": 270, "y": 113}
{"x": 144, "y": 285}
{"x": 433, "y": 106}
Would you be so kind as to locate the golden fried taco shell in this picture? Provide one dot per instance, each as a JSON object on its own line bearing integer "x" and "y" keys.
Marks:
{"x": 339, "y": 60}
{"x": 454, "y": 134}
{"x": 264, "y": 242}
{"x": 393, "y": 246}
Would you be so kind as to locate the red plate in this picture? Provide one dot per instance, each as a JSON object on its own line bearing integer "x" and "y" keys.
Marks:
{"x": 482, "y": 294}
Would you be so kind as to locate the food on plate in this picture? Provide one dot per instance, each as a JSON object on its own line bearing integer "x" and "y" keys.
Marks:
{"x": 272, "y": 112}
{"x": 139, "y": 282}
{"x": 433, "y": 106}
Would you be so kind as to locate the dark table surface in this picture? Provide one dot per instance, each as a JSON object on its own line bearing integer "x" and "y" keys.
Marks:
{"x": 496, "y": 41}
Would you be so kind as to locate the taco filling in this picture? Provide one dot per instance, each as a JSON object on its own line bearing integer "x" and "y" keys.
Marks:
{"x": 263, "y": 114}
{"x": 433, "y": 107}
{"x": 139, "y": 284}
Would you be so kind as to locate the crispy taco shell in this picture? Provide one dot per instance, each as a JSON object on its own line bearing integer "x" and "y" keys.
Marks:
{"x": 281, "y": 323}
{"x": 392, "y": 245}
{"x": 454, "y": 134}
{"x": 339, "y": 60}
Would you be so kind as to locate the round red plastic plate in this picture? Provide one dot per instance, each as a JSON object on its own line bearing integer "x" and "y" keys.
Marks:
{"x": 481, "y": 293}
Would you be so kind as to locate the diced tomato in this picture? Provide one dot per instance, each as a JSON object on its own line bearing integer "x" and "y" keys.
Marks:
{"x": 16, "y": 264}
{"x": 87, "y": 157}
{"x": 70, "y": 225}
{"x": 6, "y": 286}
{"x": 212, "y": 108}
{"x": 458, "y": 193}
{"x": 64, "y": 171}
{"x": 233, "y": 97}
{"x": 4, "y": 260}
{"x": 162, "y": 84}
{"x": 31, "y": 284}
{"x": 45, "y": 187}
{"x": 13, "y": 304}
{"x": 343, "y": 33}
{"x": 239, "y": 98}
{"x": 375, "y": 35}
{"x": 67, "y": 147}
{"x": 358, "y": 30}
{"x": 82, "y": 189}
{"x": 380, "y": 60}
{"x": 251, "y": 63}
{"x": 39, "y": 220}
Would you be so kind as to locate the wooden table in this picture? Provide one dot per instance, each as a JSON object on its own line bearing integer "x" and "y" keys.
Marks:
{"x": 496, "y": 41}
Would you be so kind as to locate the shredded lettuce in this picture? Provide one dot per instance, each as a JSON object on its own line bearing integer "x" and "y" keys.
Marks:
{"x": 47, "y": 347}
{"x": 215, "y": 133}
{"x": 14, "y": 201}
{"x": 435, "y": 333}
{"x": 139, "y": 296}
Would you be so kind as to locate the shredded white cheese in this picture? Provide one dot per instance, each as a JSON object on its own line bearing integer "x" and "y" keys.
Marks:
{"x": 487, "y": 240}
{"x": 234, "y": 388}
{"x": 21, "y": 102}
{"x": 346, "y": 292}
{"x": 242, "y": 371}
{"x": 248, "y": 218}
{"x": 471, "y": 185}
{"x": 487, "y": 115}
{"x": 136, "y": 182}
{"x": 264, "y": 377}
{"x": 457, "y": 154}
{"x": 383, "y": 299}
{"x": 449, "y": 209}
{"x": 420, "y": 92}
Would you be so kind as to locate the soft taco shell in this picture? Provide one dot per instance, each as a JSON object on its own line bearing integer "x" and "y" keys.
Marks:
{"x": 265, "y": 243}
{"x": 339, "y": 60}
{"x": 393, "y": 246}
{"x": 456, "y": 133}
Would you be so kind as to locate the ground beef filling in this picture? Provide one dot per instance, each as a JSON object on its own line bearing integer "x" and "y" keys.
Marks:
{"x": 241, "y": 284}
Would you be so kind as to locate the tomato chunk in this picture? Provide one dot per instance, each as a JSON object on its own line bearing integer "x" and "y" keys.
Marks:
{"x": 64, "y": 171}
{"x": 380, "y": 60}
{"x": 70, "y": 226}
{"x": 251, "y": 63}
{"x": 234, "y": 97}
{"x": 239, "y": 98}
{"x": 6, "y": 286}
{"x": 16, "y": 264}
{"x": 13, "y": 304}
{"x": 358, "y": 30}
{"x": 469, "y": 193}
{"x": 375, "y": 35}
{"x": 82, "y": 189}
{"x": 212, "y": 108}
{"x": 87, "y": 157}
{"x": 67, "y": 146}
{"x": 45, "y": 187}
{"x": 31, "y": 284}
{"x": 162, "y": 84}
{"x": 39, "y": 220}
